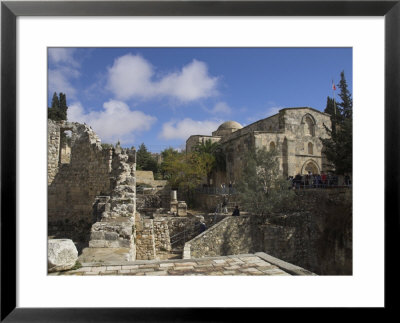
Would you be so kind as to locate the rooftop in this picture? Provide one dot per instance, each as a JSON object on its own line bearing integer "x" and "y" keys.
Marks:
{"x": 230, "y": 125}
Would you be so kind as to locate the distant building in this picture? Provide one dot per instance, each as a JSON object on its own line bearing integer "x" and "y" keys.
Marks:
{"x": 157, "y": 157}
{"x": 293, "y": 132}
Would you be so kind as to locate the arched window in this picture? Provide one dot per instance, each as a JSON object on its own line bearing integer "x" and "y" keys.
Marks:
{"x": 309, "y": 126}
{"x": 310, "y": 148}
{"x": 271, "y": 146}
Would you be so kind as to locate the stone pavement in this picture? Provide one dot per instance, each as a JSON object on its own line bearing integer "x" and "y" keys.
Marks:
{"x": 235, "y": 265}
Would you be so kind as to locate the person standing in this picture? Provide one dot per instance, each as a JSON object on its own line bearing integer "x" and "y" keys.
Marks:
{"x": 323, "y": 179}
{"x": 224, "y": 206}
{"x": 203, "y": 227}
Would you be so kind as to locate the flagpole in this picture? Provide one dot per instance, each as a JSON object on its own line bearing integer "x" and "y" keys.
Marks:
{"x": 334, "y": 104}
{"x": 334, "y": 100}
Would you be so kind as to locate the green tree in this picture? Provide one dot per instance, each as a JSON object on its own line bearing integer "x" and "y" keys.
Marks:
{"x": 261, "y": 188}
{"x": 215, "y": 155}
{"x": 58, "y": 109}
{"x": 338, "y": 148}
{"x": 145, "y": 161}
{"x": 331, "y": 109}
{"x": 63, "y": 106}
{"x": 186, "y": 171}
{"x": 54, "y": 102}
{"x": 346, "y": 105}
{"x": 166, "y": 155}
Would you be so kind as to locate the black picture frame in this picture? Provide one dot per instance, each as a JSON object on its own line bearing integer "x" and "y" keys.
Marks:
{"x": 10, "y": 10}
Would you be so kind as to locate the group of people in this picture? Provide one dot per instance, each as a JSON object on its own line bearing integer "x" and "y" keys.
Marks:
{"x": 316, "y": 180}
{"x": 224, "y": 188}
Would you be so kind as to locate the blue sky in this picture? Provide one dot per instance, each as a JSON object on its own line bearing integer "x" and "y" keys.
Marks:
{"x": 161, "y": 96}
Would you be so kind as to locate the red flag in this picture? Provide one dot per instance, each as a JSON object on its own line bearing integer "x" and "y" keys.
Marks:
{"x": 333, "y": 86}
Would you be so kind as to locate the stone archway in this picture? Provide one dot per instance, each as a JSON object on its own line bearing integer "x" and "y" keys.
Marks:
{"x": 310, "y": 166}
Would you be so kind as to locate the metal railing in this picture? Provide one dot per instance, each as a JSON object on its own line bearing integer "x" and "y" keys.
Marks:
{"x": 216, "y": 190}
{"x": 313, "y": 182}
{"x": 318, "y": 182}
{"x": 186, "y": 235}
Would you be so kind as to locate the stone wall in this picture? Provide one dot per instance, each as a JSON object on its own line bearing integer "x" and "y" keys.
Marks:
{"x": 152, "y": 238}
{"x": 147, "y": 177}
{"x": 192, "y": 141}
{"x": 145, "y": 240}
{"x": 319, "y": 238}
{"x": 179, "y": 224}
{"x": 115, "y": 223}
{"x": 74, "y": 188}
{"x": 53, "y": 150}
{"x": 231, "y": 236}
{"x": 236, "y": 151}
{"x": 161, "y": 235}
{"x": 293, "y": 238}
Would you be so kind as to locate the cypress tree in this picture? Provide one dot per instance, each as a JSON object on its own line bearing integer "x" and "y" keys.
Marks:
{"x": 330, "y": 109}
{"x": 58, "y": 109}
{"x": 339, "y": 147}
{"x": 54, "y": 102}
{"x": 346, "y": 105}
{"x": 63, "y": 106}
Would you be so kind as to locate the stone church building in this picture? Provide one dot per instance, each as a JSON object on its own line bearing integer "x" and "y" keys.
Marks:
{"x": 293, "y": 132}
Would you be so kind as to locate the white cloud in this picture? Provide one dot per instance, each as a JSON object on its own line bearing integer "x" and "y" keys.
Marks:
{"x": 187, "y": 127}
{"x": 114, "y": 122}
{"x": 221, "y": 108}
{"x": 64, "y": 69}
{"x": 60, "y": 81}
{"x": 192, "y": 83}
{"x": 131, "y": 76}
{"x": 62, "y": 55}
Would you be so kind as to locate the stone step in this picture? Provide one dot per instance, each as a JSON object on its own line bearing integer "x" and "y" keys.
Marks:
{"x": 104, "y": 255}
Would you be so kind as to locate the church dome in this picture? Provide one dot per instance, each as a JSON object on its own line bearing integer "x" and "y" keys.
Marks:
{"x": 230, "y": 125}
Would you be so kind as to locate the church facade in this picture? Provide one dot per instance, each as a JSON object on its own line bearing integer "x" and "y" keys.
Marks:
{"x": 293, "y": 132}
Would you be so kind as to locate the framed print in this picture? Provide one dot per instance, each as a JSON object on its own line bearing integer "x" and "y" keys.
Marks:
{"x": 226, "y": 31}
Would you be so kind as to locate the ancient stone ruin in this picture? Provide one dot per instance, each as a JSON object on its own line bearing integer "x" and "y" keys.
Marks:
{"x": 112, "y": 213}
{"x": 91, "y": 194}
{"x": 92, "y": 200}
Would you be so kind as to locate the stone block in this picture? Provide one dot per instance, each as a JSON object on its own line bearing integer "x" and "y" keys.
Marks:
{"x": 97, "y": 244}
{"x": 126, "y": 232}
{"x": 182, "y": 208}
{"x": 97, "y": 235}
{"x": 131, "y": 208}
{"x": 111, "y": 235}
{"x": 61, "y": 254}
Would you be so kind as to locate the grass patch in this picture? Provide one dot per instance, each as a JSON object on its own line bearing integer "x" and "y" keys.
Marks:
{"x": 77, "y": 265}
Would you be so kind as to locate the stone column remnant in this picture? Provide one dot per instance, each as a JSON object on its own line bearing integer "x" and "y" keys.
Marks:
{"x": 174, "y": 203}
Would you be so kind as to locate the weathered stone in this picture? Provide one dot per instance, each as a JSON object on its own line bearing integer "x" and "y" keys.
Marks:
{"x": 111, "y": 235}
{"x": 95, "y": 235}
{"x": 86, "y": 183}
{"x": 62, "y": 254}
{"x": 293, "y": 132}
